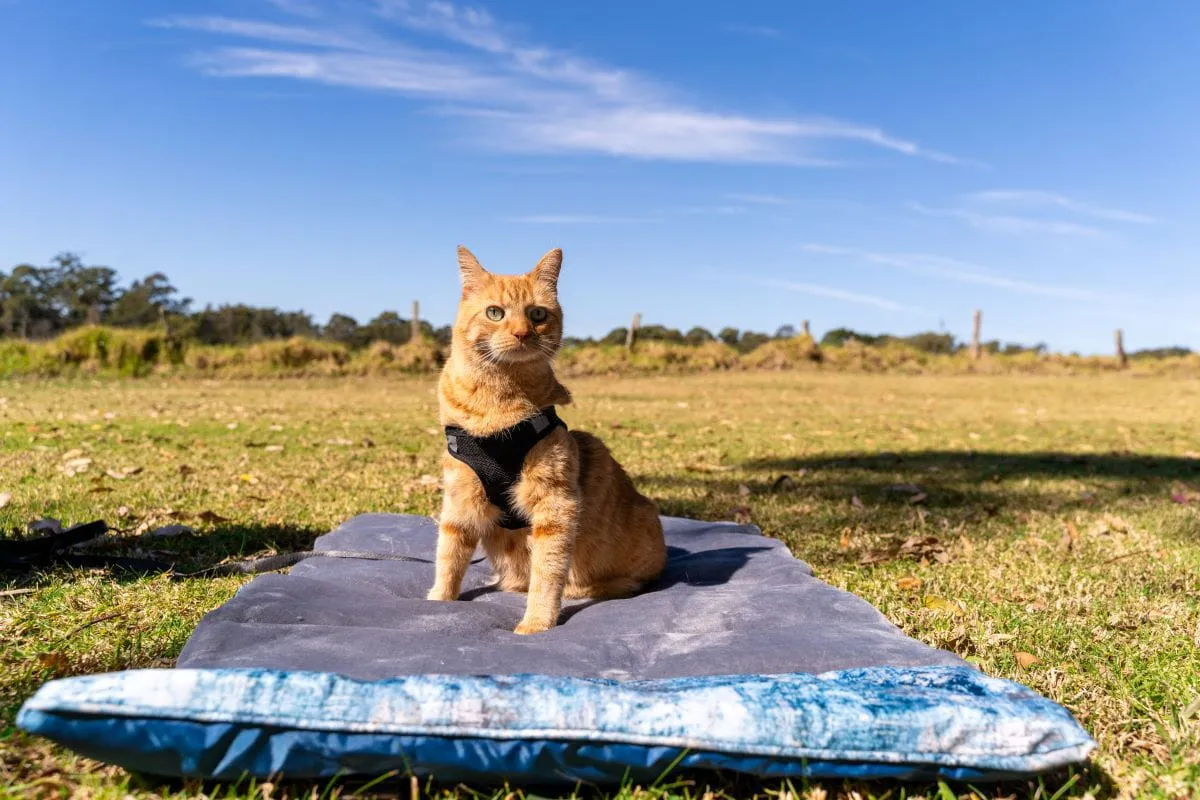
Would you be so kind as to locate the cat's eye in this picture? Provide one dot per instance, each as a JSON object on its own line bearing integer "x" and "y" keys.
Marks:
{"x": 495, "y": 313}
{"x": 537, "y": 314}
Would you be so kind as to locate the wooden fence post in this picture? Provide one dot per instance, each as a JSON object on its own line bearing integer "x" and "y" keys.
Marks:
{"x": 631, "y": 334}
{"x": 975, "y": 331}
{"x": 1122, "y": 358}
{"x": 416, "y": 321}
{"x": 805, "y": 329}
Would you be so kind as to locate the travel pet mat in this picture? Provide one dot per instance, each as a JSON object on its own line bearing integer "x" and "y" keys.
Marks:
{"x": 736, "y": 659}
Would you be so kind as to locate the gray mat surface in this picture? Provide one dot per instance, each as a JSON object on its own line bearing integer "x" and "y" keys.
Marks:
{"x": 730, "y": 602}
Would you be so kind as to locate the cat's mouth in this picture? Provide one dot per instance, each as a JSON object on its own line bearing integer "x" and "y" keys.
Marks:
{"x": 514, "y": 353}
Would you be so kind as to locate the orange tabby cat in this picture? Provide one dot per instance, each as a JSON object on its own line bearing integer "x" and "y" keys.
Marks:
{"x": 590, "y": 533}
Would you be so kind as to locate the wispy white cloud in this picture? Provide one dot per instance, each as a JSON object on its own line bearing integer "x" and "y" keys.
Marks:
{"x": 761, "y": 31}
{"x": 573, "y": 219}
{"x": 1033, "y": 198}
{"x": 955, "y": 270}
{"x": 1004, "y": 223}
{"x": 834, "y": 293}
{"x": 761, "y": 199}
{"x": 263, "y": 32}
{"x": 298, "y": 8}
{"x": 516, "y": 96}
{"x": 723, "y": 211}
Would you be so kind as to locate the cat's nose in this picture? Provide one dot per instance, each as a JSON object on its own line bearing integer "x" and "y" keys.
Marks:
{"x": 522, "y": 334}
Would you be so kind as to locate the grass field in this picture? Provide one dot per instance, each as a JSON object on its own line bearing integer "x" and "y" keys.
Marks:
{"x": 1048, "y": 529}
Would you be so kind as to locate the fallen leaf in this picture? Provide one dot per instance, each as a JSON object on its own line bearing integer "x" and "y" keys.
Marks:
{"x": 783, "y": 483}
{"x": 1027, "y": 660}
{"x": 1000, "y": 638}
{"x": 910, "y": 583}
{"x": 123, "y": 512}
{"x": 168, "y": 531}
{"x": 1070, "y": 536}
{"x": 211, "y": 517}
{"x": 57, "y": 663}
{"x": 919, "y": 497}
{"x": 273, "y": 448}
{"x": 925, "y": 547}
{"x": 123, "y": 473}
{"x": 845, "y": 543}
{"x": 368, "y": 442}
{"x": 5, "y": 498}
{"x": 935, "y": 603}
{"x": 743, "y": 490}
{"x": 72, "y": 454}
{"x": 76, "y": 466}
{"x": 854, "y": 501}
{"x": 185, "y": 470}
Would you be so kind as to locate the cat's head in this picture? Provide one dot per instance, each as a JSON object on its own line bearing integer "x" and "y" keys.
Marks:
{"x": 510, "y": 319}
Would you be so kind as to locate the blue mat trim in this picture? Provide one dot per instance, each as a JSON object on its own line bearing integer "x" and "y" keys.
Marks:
{"x": 879, "y": 722}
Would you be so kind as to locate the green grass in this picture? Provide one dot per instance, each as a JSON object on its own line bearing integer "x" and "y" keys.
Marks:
{"x": 1057, "y": 517}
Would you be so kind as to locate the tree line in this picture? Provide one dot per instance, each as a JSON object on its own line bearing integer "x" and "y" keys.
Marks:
{"x": 40, "y": 302}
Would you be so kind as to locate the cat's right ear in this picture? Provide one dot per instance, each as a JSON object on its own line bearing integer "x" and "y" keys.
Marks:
{"x": 472, "y": 272}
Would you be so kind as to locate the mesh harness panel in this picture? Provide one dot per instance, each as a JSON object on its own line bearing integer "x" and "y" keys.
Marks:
{"x": 497, "y": 459}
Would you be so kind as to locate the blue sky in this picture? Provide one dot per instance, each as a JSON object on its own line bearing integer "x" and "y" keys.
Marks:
{"x": 883, "y": 166}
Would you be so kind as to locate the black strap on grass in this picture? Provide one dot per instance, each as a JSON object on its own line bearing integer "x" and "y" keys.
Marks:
{"x": 55, "y": 549}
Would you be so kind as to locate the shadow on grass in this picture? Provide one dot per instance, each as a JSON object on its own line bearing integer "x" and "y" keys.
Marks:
{"x": 1086, "y": 780}
{"x": 986, "y": 483}
{"x": 812, "y": 500}
{"x": 130, "y": 557}
{"x": 959, "y": 465}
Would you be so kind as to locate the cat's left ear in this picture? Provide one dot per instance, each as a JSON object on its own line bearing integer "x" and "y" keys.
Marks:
{"x": 546, "y": 271}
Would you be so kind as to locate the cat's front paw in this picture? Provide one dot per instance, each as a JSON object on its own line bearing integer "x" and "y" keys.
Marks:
{"x": 441, "y": 593}
{"x": 526, "y": 627}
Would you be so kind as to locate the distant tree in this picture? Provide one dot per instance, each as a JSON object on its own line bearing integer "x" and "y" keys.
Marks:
{"x": 698, "y": 335}
{"x": 343, "y": 329}
{"x": 242, "y": 324}
{"x": 729, "y": 336}
{"x": 1162, "y": 352}
{"x": 786, "y": 332}
{"x": 85, "y": 295}
{"x": 615, "y": 336}
{"x": 147, "y": 301}
{"x": 388, "y": 327}
{"x": 658, "y": 333}
{"x": 750, "y": 340}
{"x": 28, "y": 306}
{"x": 930, "y": 342}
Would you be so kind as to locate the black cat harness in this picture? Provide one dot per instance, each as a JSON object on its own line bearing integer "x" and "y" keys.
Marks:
{"x": 497, "y": 459}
